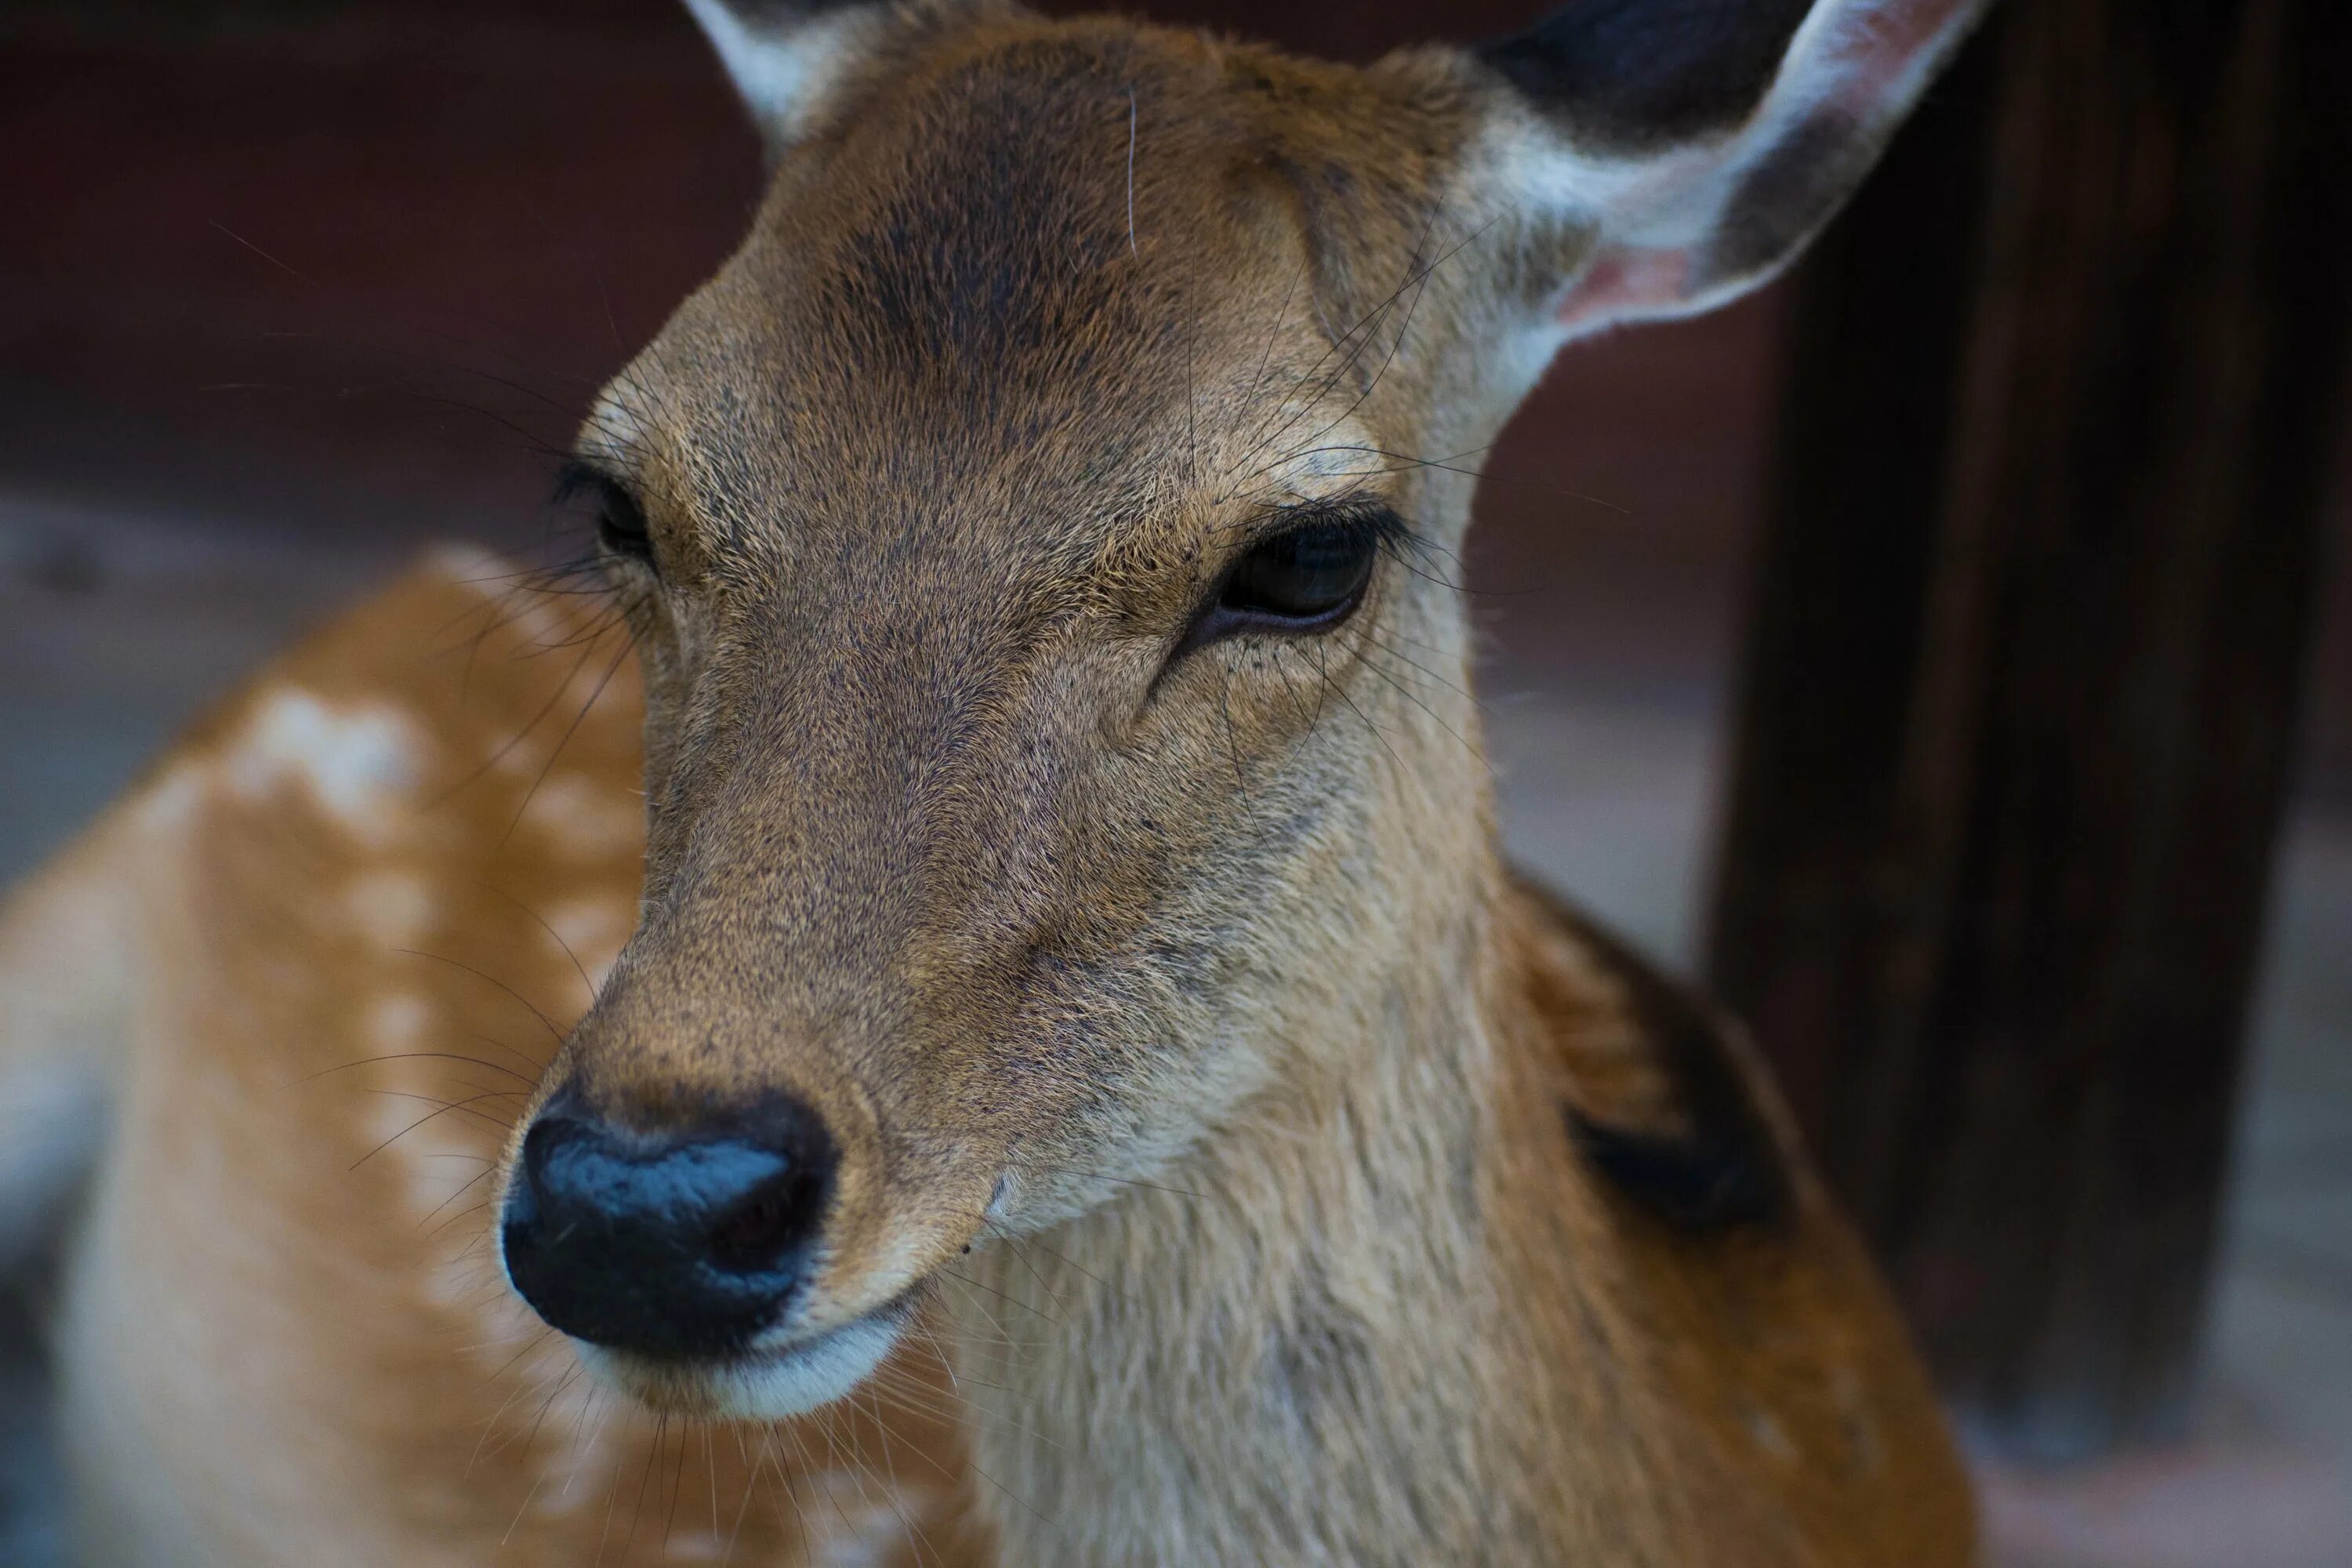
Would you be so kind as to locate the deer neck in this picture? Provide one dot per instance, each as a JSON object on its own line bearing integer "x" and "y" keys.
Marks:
{"x": 1313, "y": 1342}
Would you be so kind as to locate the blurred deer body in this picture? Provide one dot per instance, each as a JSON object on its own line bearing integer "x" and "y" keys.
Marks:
{"x": 315, "y": 993}
{"x": 1062, "y": 925}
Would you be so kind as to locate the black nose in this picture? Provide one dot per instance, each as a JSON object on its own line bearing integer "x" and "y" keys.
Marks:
{"x": 674, "y": 1244}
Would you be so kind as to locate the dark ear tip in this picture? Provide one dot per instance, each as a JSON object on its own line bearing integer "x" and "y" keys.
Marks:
{"x": 1635, "y": 72}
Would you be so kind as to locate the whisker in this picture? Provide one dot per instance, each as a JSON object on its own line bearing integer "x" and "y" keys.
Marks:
{"x": 456, "y": 964}
{"x": 444, "y": 1110}
{"x": 419, "y": 1056}
{"x": 495, "y": 758}
{"x": 605, "y": 679}
{"x": 577, "y": 967}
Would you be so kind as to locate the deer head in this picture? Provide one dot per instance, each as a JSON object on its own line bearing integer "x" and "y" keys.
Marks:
{"x": 1039, "y": 538}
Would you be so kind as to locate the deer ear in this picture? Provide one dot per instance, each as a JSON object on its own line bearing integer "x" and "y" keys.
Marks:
{"x": 786, "y": 57}
{"x": 1694, "y": 147}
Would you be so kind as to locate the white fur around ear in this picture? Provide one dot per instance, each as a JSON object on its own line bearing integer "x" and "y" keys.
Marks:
{"x": 786, "y": 59}
{"x": 1701, "y": 143}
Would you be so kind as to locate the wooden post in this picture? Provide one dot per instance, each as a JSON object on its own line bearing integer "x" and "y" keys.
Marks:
{"x": 2031, "y": 611}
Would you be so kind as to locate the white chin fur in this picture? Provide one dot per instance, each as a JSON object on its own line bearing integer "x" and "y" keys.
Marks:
{"x": 759, "y": 1386}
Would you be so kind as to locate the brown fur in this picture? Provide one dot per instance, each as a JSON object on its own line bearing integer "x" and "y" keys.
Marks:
{"x": 1187, "y": 996}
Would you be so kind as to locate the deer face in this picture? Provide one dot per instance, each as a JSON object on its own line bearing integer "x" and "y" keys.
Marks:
{"x": 1039, "y": 538}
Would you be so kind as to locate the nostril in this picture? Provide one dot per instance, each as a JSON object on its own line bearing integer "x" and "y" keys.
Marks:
{"x": 547, "y": 1135}
{"x": 750, "y": 1236}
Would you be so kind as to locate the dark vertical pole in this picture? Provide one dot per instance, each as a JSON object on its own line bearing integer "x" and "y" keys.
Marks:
{"x": 2029, "y": 616}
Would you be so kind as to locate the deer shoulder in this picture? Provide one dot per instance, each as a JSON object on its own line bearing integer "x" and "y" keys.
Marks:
{"x": 1791, "y": 1374}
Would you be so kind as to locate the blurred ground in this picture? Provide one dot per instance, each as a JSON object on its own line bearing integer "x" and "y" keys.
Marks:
{"x": 312, "y": 282}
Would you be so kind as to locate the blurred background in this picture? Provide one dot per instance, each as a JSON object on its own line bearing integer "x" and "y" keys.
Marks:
{"x": 291, "y": 288}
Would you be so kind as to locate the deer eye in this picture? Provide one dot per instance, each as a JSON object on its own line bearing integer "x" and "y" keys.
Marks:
{"x": 1306, "y": 575}
{"x": 620, "y": 521}
{"x": 1305, "y": 578}
{"x": 621, "y": 526}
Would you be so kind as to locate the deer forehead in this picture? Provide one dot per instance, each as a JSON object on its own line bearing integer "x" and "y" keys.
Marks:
{"x": 1041, "y": 255}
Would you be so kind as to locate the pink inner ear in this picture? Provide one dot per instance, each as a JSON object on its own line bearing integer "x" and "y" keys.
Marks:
{"x": 1625, "y": 283}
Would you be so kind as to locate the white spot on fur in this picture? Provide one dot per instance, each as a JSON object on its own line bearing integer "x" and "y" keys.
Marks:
{"x": 433, "y": 1120}
{"x": 171, "y": 800}
{"x": 390, "y": 1113}
{"x": 356, "y": 762}
{"x": 434, "y": 1151}
{"x": 466, "y": 564}
{"x": 391, "y": 907}
{"x": 398, "y": 1020}
{"x": 593, "y": 929}
{"x": 865, "y": 1531}
{"x": 574, "y": 812}
{"x": 697, "y": 1546}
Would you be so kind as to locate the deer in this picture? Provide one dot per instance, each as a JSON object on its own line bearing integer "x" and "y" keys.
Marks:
{"x": 958, "y": 1001}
